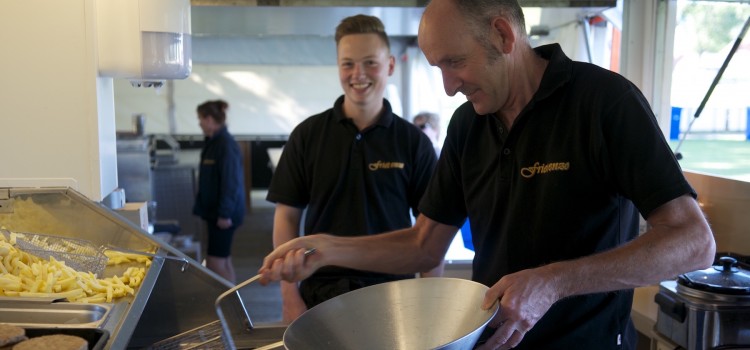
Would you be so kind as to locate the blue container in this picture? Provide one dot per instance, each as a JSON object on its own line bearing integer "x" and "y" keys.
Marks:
{"x": 674, "y": 130}
{"x": 747, "y": 126}
{"x": 466, "y": 235}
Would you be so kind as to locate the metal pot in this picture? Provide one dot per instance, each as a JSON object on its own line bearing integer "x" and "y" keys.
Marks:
{"x": 423, "y": 313}
{"x": 726, "y": 277}
{"x": 707, "y": 309}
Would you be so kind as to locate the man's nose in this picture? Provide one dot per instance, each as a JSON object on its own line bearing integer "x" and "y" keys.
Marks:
{"x": 359, "y": 70}
{"x": 451, "y": 84}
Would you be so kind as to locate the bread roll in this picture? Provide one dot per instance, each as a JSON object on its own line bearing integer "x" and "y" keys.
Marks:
{"x": 53, "y": 341}
{"x": 10, "y": 334}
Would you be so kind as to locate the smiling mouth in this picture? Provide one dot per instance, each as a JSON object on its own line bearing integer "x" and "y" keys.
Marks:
{"x": 468, "y": 95}
{"x": 360, "y": 85}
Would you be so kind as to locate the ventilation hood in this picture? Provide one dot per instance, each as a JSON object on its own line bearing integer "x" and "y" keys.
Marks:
{"x": 320, "y": 17}
{"x": 295, "y": 21}
{"x": 390, "y": 3}
{"x": 283, "y": 32}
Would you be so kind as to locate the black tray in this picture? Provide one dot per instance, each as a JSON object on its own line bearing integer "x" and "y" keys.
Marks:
{"x": 96, "y": 338}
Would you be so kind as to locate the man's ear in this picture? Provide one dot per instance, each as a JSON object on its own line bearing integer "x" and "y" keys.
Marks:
{"x": 505, "y": 35}
{"x": 391, "y": 65}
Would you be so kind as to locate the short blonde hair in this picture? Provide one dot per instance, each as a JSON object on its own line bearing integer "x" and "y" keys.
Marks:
{"x": 362, "y": 24}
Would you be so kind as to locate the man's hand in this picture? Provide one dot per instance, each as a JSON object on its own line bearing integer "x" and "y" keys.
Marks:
{"x": 524, "y": 297}
{"x": 289, "y": 262}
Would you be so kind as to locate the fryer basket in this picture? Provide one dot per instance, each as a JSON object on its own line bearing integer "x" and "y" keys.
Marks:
{"x": 78, "y": 254}
{"x": 209, "y": 336}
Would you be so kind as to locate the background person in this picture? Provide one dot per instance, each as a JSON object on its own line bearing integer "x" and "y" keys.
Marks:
{"x": 221, "y": 191}
{"x": 357, "y": 168}
{"x": 551, "y": 160}
{"x": 429, "y": 123}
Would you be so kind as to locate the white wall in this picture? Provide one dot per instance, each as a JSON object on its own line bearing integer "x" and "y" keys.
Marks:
{"x": 263, "y": 100}
{"x": 57, "y": 124}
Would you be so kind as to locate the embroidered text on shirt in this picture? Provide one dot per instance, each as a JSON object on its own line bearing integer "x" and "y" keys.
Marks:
{"x": 385, "y": 165}
{"x": 544, "y": 168}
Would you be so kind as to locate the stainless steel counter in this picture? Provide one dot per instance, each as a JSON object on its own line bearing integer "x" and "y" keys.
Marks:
{"x": 173, "y": 298}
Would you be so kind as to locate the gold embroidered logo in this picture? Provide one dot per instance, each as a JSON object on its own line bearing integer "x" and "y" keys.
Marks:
{"x": 385, "y": 165}
{"x": 209, "y": 162}
{"x": 544, "y": 168}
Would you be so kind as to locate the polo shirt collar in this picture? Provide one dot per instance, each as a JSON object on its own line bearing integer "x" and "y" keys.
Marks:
{"x": 559, "y": 70}
{"x": 385, "y": 119}
{"x": 222, "y": 131}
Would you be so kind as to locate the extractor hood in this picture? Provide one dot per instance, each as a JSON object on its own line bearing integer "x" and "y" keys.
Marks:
{"x": 390, "y": 3}
{"x": 229, "y": 21}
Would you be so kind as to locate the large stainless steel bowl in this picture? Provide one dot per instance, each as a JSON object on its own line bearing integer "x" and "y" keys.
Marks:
{"x": 414, "y": 314}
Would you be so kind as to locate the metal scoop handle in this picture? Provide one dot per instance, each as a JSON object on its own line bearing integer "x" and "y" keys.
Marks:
{"x": 222, "y": 319}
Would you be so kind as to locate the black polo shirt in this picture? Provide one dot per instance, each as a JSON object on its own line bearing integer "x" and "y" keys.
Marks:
{"x": 561, "y": 184}
{"x": 354, "y": 183}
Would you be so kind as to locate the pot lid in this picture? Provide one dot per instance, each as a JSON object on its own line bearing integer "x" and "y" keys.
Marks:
{"x": 725, "y": 277}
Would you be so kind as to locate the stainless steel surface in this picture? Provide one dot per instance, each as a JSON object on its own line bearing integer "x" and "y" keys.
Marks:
{"x": 46, "y": 313}
{"x": 295, "y": 21}
{"x": 174, "y": 193}
{"x": 699, "y": 320}
{"x": 423, "y": 313}
{"x": 170, "y": 300}
{"x": 217, "y": 334}
{"x": 710, "y": 299}
{"x": 134, "y": 168}
{"x": 218, "y": 305}
{"x": 208, "y": 336}
{"x": 222, "y": 320}
{"x": 311, "y": 21}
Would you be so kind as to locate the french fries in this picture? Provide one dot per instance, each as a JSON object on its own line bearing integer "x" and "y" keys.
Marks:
{"x": 25, "y": 275}
{"x": 116, "y": 258}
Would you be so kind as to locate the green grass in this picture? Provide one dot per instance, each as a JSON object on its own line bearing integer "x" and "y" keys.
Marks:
{"x": 728, "y": 158}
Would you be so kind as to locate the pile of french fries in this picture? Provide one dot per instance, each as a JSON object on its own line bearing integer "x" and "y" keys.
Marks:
{"x": 26, "y": 275}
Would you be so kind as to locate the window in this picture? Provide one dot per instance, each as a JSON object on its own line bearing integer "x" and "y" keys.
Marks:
{"x": 718, "y": 141}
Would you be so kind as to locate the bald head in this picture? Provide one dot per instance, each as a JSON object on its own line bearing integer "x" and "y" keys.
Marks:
{"x": 477, "y": 14}
{"x": 481, "y": 49}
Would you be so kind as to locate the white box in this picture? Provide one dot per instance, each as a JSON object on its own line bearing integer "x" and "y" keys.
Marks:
{"x": 135, "y": 212}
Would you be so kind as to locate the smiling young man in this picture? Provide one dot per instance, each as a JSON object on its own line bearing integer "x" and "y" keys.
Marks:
{"x": 357, "y": 168}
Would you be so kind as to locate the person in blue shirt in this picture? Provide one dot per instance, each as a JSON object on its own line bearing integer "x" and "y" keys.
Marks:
{"x": 221, "y": 192}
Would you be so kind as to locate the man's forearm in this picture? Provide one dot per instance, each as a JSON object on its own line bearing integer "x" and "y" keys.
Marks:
{"x": 421, "y": 248}
{"x": 663, "y": 252}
